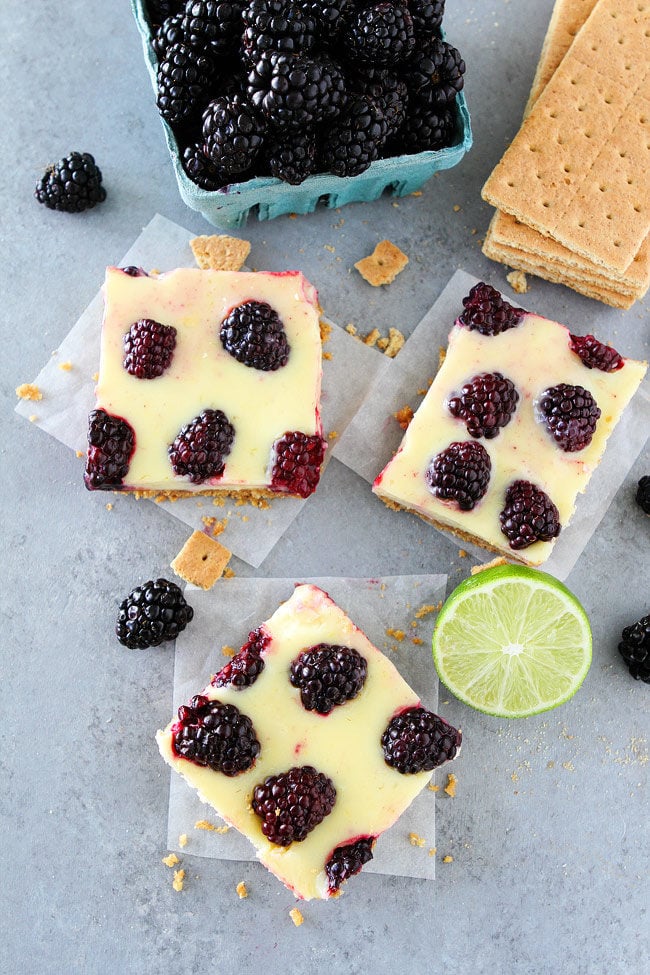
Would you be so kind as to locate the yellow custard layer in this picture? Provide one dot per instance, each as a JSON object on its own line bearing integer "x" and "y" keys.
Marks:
{"x": 535, "y": 356}
{"x": 261, "y": 406}
{"x": 345, "y": 744}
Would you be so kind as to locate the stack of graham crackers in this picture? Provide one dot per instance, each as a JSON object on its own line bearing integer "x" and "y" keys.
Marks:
{"x": 572, "y": 191}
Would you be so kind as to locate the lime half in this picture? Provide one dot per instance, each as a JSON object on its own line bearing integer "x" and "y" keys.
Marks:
{"x": 512, "y": 641}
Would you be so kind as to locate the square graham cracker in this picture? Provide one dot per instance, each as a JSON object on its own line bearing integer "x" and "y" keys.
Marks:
{"x": 218, "y": 252}
{"x": 201, "y": 560}
{"x": 383, "y": 265}
{"x": 597, "y": 100}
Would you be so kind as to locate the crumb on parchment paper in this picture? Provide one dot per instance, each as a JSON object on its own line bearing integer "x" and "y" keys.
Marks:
{"x": 28, "y": 391}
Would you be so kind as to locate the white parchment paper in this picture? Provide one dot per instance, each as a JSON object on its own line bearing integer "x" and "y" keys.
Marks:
{"x": 373, "y": 436}
{"x": 68, "y": 397}
{"x": 226, "y": 616}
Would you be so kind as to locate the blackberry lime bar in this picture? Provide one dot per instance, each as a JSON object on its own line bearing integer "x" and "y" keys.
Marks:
{"x": 209, "y": 382}
{"x": 309, "y": 742}
{"x": 511, "y": 429}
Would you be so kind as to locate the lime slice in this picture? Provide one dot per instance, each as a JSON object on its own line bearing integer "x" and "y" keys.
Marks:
{"x": 512, "y": 641}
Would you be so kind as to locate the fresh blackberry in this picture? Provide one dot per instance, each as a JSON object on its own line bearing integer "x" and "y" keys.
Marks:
{"x": 215, "y": 735}
{"x": 390, "y": 93}
{"x": 277, "y": 25}
{"x": 330, "y": 15}
{"x": 291, "y": 156}
{"x": 168, "y": 33}
{"x": 73, "y": 185}
{"x": 228, "y": 15}
{"x": 570, "y": 414}
{"x": 148, "y": 348}
{"x": 417, "y": 740}
{"x": 435, "y": 74}
{"x": 184, "y": 77}
{"x": 202, "y": 28}
{"x": 346, "y": 861}
{"x": 643, "y": 494}
{"x": 200, "y": 169}
{"x": 151, "y": 614}
{"x": 160, "y": 10}
{"x": 486, "y": 404}
{"x": 253, "y": 334}
{"x": 296, "y": 460}
{"x": 199, "y": 450}
{"x": 233, "y": 133}
{"x": 634, "y": 648}
{"x": 134, "y": 272}
{"x": 293, "y": 803}
{"x": 111, "y": 442}
{"x": 425, "y": 128}
{"x": 295, "y": 91}
{"x": 247, "y": 665}
{"x": 486, "y": 311}
{"x": 427, "y": 15}
{"x": 381, "y": 34}
{"x": 460, "y": 473}
{"x": 355, "y": 139}
{"x": 528, "y": 516}
{"x": 328, "y": 676}
{"x": 594, "y": 354}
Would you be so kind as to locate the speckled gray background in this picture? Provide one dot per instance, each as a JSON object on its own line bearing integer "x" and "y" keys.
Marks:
{"x": 548, "y": 830}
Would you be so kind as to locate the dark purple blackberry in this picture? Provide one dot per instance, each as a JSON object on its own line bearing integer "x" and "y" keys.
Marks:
{"x": 277, "y": 25}
{"x": 168, "y": 33}
{"x": 528, "y": 516}
{"x": 296, "y": 460}
{"x": 570, "y": 414}
{"x": 417, "y": 740}
{"x": 291, "y": 156}
{"x": 381, "y": 34}
{"x": 643, "y": 494}
{"x": 355, "y": 139}
{"x": 111, "y": 442}
{"x": 228, "y": 15}
{"x": 73, "y": 185}
{"x": 427, "y": 15}
{"x": 151, "y": 614}
{"x": 247, "y": 665}
{"x": 594, "y": 354}
{"x": 233, "y": 133}
{"x": 634, "y": 648}
{"x": 253, "y": 334}
{"x": 486, "y": 311}
{"x": 134, "y": 272}
{"x": 215, "y": 735}
{"x": 202, "y": 28}
{"x": 328, "y": 676}
{"x": 486, "y": 404}
{"x": 390, "y": 93}
{"x": 199, "y": 450}
{"x": 293, "y": 803}
{"x": 330, "y": 15}
{"x": 160, "y": 10}
{"x": 148, "y": 348}
{"x": 460, "y": 473}
{"x": 425, "y": 128}
{"x": 184, "y": 77}
{"x": 295, "y": 91}
{"x": 346, "y": 861}
{"x": 435, "y": 74}
{"x": 200, "y": 169}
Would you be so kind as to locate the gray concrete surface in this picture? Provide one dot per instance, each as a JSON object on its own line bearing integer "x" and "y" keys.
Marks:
{"x": 549, "y": 827}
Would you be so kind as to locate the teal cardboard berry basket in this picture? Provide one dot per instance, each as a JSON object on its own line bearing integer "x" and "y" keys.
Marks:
{"x": 269, "y": 197}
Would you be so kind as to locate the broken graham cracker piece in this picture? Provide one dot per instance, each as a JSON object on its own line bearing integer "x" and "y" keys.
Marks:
{"x": 219, "y": 252}
{"x": 201, "y": 560}
{"x": 383, "y": 265}
{"x": 585, "y": 143}
{"x": 393, "y": 344}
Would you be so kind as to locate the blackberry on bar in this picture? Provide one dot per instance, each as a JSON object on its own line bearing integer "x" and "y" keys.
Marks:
{"x": 570, "y": 414}
{"x": 528, "y": 516}
{"x": 253, "y": 334}
{"x": 111, "y": 442}
{"x": 296, "y": 461}
{"x": 246, "y": 666}
{"x": 148, "y": 348}
{"x": 460, "y": 473}
{"x": 328, "y": 676}
{"x": 347, "y": 860}
{"x": 595, "y": 354}
{"x": 486, "y": 404}
{"x": 201, "y": 446}
{"x": 215, "y": 735}
{"x": 292, "y": 804}
{"x": 486, "y": 311}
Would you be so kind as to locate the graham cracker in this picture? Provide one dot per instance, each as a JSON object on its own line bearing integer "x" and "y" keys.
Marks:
{"x": 566, "y": 20}
{"x": 201, "y": 560}
{"x": 219, "y": 252}
{"x": 585, "y": 143}
{"x": 383, "y": 265}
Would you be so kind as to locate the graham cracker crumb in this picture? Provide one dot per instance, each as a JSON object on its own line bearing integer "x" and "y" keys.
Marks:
{"x": 296, "y": 916}
{"x": 80, "y": 453}
{"x": 28, "y": 391}
{"x": 65, "y": 366}
{"x": 416, "y": 840}
{"x": 456, "y": 207}
{"x": 442, "y": 355}
{"x": 462, "y": 554}
{"x": 450, "y": 788}
{"x": 242, "y": 890}
{"x": 325, "y": 331}
{"x": 396, "y": 634}
{"x": 433, "y": 788}
{"x": 392, "y": 345}
{"x": 228, "y": 651}
{"x": 207, "y": 826}
{"x": 425, "y": 609}
{"x": 327, "y": 355}
{"x": 433, "y": 850}
{"x": 383, "y": 265}
{"x": 179, "y": 878}
{"x": 448, "y": 859}
{"x": 418, "y": 641}
{"x": 518, "y": 282}
{"x": 215, "y": 527}
{"x": 95, "y": 377}
{"x": 201, "y": 560}
{"x": 332, "y": 435}
{"x": 33, "y": 417}
{"x": 109, "y": 506}
{"x": 328, "y": 247}
{"x": 219, "y": 252}
{"x": 182, "y": 840}
{"x": 371, "y": 338}
{"x": 228, "y": 573}
{"x": 488, "y": 565}
{"x": 171, "y": 860}
{"x": 416, "y": 193}
{"x": 404, "y": 417}
{"x": 351, "y": 329}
